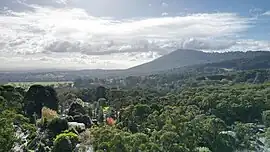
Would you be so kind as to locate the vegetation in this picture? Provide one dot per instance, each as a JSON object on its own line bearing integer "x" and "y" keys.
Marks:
{"x": 48, "y": 114}
{"x": 47, "y": 83}
{"x": 216, "y": 107}
{"x": 7, "y": 135}
{"x": 65, "y": 142}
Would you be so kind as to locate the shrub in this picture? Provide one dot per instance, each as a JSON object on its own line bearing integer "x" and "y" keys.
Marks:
{"x": 48, "y": 114}
{"x": 7, "y": 134}
{"x": 65, "y": 142}
{"x": 58, "y": 125}
{"x": 76, "y": 108}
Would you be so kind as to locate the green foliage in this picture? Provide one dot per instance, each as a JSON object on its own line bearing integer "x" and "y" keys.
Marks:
{"x": 246, "y": 136}
{"x": 141, "y": 112}
{"x": 112, "y": 139}
{"x": 100, "y": 93}
{"x": 7, "y": 131}
{"x": 11, "y": 98}
{"x": 76, "y": 108}
{"x": 38, "y": 96}
{"x": 65, "y": 142}
{"x": 57, "y": 125}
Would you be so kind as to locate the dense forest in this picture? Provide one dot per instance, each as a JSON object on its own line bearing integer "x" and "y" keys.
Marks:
{"x": 213, "y": 107}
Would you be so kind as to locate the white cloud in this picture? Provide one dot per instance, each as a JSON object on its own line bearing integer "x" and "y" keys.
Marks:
{"x": 163, "y": 4}
{"x": 70, "y": 37}
{"x": 164, "y": 14}
{"x": 252, "y": 45}
{"x": 266, "y": 13}
{"x": 62, "y": 1}
{"x": 208, "y": 44}
{"x": 255, "y": 10}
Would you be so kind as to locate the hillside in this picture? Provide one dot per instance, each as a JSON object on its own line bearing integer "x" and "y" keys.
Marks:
{"x": 181, "y": 58}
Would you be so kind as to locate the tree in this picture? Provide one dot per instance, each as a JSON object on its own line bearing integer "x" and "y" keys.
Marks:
{"x": 65, "y": 142}
{"x": 100, "y": 92}
{"x": 170, "y": 142}
{"x": 65, "y": 100}
{"x": 246, "y": 137}
{"x": 76, "y": 108}
{"x": 7, "y": 131}
{"x": 11, "y": 98}
{"x": 38, "y": 96}
{"x": 57, "y": 125}
{"x": 141, "y": 112}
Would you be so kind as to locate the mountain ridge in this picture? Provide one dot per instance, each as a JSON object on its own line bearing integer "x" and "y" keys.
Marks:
{"x": 186, "y": 57}
{"x": 178, "y": 59}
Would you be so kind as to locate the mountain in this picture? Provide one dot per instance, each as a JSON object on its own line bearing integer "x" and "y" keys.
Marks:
{"x": 185, "y": 57}
{"x": 260, "y": 62}
{"x": 177, "y": 61}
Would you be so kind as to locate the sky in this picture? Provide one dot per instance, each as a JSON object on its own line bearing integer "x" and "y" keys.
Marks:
{"x": 119, "y": 34}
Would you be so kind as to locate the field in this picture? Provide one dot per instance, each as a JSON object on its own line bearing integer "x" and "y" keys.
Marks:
{"x": 54, "y": 84}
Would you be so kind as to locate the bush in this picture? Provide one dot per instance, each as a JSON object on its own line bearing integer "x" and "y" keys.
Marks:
{"x": 48, "y": 114}
{"x": 58, "y": 125}
{"x": 7, "y": 134}
{"x": 65, "y": 142}
{"x": 76, "y": 108}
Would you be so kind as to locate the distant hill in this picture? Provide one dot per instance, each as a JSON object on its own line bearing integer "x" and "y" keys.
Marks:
{"x": 175, "y": 62}
{"x": 184, "y": 57}
{"x": 250, "y": 63}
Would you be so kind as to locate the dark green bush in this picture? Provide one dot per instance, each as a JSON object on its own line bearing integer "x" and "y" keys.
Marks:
{"x": 57, "y": 125}
{"x": 65, "y": 142}
{"x": 76, "y": 109}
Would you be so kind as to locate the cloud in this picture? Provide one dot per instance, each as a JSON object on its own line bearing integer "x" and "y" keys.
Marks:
{"x": 164, "y": 14}
{"x": 203, "y": 44}
{"x": 58, "y": 37}
{"x": 62, "y": 2}
{"x": 252, "y": 45}
{"x": 163, "y": 4}
{"x": 255, "y": 12}
{"x": 266, "y": 13}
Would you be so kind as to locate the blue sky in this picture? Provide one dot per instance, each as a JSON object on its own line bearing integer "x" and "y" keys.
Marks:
{"x": 110, "y": 34}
